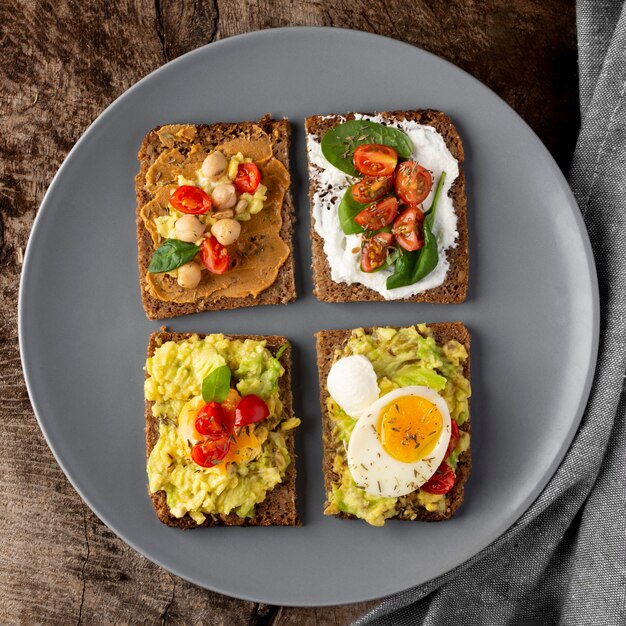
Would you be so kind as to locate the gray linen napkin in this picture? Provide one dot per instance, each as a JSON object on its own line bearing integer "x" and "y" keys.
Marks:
{"x": 564, "y": 561}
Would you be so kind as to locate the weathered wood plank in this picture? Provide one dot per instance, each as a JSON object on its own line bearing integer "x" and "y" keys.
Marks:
{"x": 62, "y": 64}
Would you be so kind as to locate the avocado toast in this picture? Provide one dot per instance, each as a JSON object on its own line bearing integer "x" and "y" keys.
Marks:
{"x": 258, "y": 491}
{"x": 434, "y": 355}
{"x": 214, "y": 217}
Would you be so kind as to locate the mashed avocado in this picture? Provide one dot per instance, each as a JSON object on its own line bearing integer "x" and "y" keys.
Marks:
{"x": 175, "y": 374}
{"x": 404, "y": 357}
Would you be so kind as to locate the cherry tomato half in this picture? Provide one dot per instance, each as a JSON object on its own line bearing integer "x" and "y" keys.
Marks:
{"x": 374, "y": 251}
{"x": 248, "y": 178}
{"x": 375, "y": 159}
{"x": 250, "y": 410}
{"x": 379, "y": 215}
{"x": 191, "y": 200}
{"x": 210, "y": 452}
{"x": 370, "y": 189}
{"x": 441, "y": 481}
{"x": 211, "y": 421}
{"x": 214, "y": 255}
{"x": 407, "y": 229}
{"x": 229, "y": 407}
{"x": 413, "y": 182}
{"x": 454, "y": 438}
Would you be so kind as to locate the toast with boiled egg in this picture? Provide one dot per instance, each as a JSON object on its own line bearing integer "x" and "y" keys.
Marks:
{"x": 388, "y": 207}
{"x": 214, "y": 217}
{"x": 220, "y": 430}
{"x": 395, "y": 421}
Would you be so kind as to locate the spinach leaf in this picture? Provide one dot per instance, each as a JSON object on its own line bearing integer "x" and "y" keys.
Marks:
{"x": 216, "y": 385}
{"x": 172, "y": 254}
{"x": 347, "y": 210}
{"x": 403, "y": 270}
{"x": 339, "y": 143}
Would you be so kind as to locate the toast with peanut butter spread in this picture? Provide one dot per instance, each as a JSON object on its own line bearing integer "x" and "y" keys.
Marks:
{"x": 214, "y": 217}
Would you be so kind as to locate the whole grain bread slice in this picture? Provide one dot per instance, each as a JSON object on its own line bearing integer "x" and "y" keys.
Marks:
{"x": 283, "y": 289}
{"x": 454, "y": 288}
{"x": 279, "y": 507}
{"x": 327, "y": 342}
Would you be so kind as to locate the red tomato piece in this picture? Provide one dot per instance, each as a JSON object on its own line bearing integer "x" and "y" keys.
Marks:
{"x": 374, "y": 251}
{"x": 211, "y": 421}
{"x": 441, "y": 481}
{"x": 214, "y": 256}
{"x": 375, "y": 159}
{"x": 370, "y": 189}
{"x": 191, "y": 200}
{"x": 250, "y": 410}
{"x": 454, "y": 438}
{"x": 229, "y": 407}
{"x": 407, "y": 229}
{"x": 379, "y": 215}
{"x": 210, "y": 452}
{"x": 413, "y": 182}
{"x": 248, "y": 178}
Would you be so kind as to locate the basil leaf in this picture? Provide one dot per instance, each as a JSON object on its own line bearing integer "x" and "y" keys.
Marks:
{"x": 281, "y": 350}
{"x": 347, "y": 210}
{"x": 339, "y": 143}
{"x": 172, "y": 254}
{"x": 216, "y": 385}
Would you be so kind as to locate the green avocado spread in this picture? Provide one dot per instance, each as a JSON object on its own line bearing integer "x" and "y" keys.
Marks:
{"x": 403, "y": 357}
{"x": 175, "y": 374}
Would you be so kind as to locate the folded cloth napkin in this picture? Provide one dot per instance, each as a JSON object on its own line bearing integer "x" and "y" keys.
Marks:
{"x": 563, "y": 562}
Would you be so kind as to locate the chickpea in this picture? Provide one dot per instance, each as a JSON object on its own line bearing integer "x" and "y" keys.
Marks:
{"x": 226, "y": 231}
{"x": 224, "y": 196}
{"x": 214, "y": 166}
{"x": 189, "y": 275}
{"x": 241, "y": 206}
{"x": 188, "y": 228}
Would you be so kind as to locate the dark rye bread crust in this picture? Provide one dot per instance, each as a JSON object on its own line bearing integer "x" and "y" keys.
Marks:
{"x": 283, "y": 289}
{"x": 454, "y": 289}
{"x": 327, "y": 342}
{"x": 279, "y": 506}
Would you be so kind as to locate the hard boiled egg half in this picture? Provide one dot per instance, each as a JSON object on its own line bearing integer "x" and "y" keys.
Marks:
{"x": 399, "y": 440}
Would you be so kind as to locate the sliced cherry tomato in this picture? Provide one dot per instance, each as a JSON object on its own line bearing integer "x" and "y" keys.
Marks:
{"x": 370, "y": 189}
{"x": 454, "y": 438}
{"x": 441, "y": 481}
{"x": 374, "y": 159}
{"x": 407, "y": 229}
{"x": 214, "y": 255}
{"x": 191, "y": 200}
{"x": 248, "y": 178}
{"x": 250, "y": 410}
{"x": 413, "y": 182}
{"x": 210, "y": 452}
{"x": 379, "y": 215}
{"x": 211, "y": 421}
{"x": 229, "y": 406}
{"x": 374, "y": 251}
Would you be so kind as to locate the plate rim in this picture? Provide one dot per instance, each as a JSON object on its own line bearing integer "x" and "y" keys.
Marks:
{"x": 234, "y": 40}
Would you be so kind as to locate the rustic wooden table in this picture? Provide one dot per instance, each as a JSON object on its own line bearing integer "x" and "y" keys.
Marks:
{"x": 62, "y": 63}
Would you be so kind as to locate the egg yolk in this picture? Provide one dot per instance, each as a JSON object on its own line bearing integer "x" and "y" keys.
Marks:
{"x": 243, "y": 448}
{"x": 409, "y": 428}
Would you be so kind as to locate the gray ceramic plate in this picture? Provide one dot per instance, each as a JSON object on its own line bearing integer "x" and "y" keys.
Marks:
{"x": 532, "y": 310}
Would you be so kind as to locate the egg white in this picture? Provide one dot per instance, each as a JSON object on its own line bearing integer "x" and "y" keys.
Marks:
{"x": 352, "y": 384}
{"x": 375, "y": 470}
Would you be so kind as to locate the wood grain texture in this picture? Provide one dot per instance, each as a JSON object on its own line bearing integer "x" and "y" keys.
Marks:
{"x": 63, "y": 62}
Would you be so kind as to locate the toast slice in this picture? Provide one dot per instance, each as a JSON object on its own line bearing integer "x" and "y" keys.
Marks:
{"x": 454, "y": 287}
{"x": 327, "y": 341}
{"x": 282, "y": 290}
{"x": 279, "y": 507}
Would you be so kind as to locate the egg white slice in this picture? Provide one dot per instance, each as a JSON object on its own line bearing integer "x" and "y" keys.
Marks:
{"x": 375, "y": 470}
